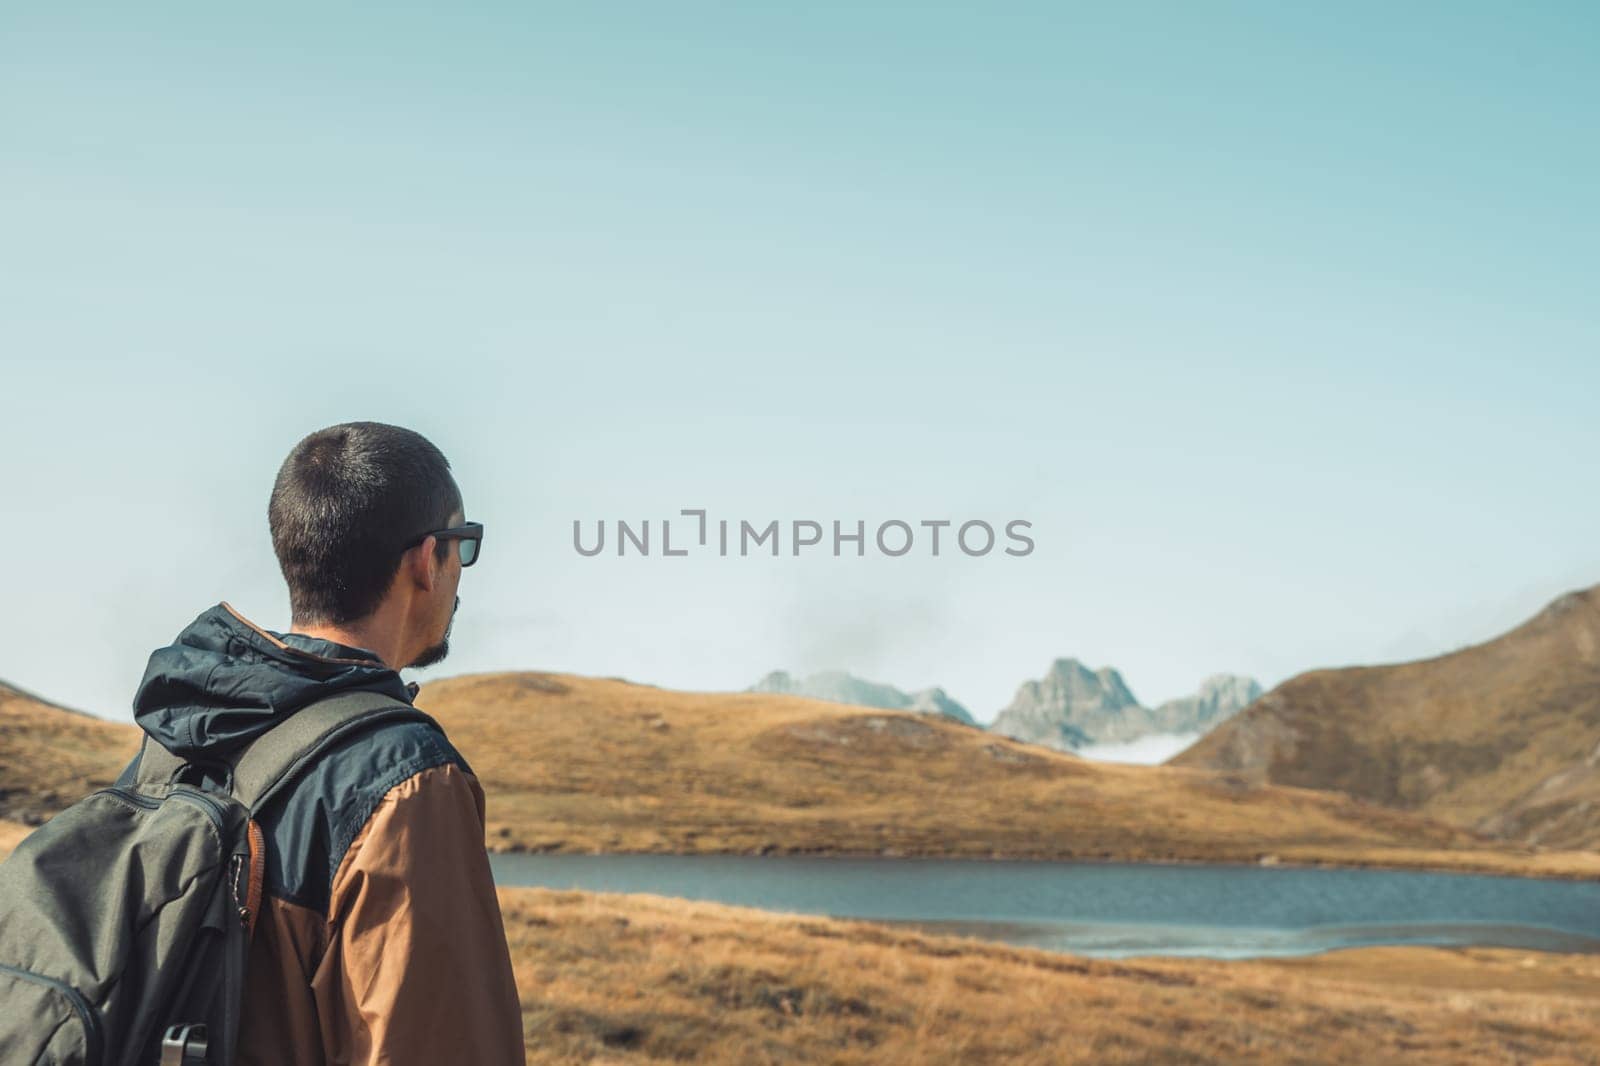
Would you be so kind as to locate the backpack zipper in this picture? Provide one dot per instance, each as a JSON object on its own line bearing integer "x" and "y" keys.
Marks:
{"x": 212, "y": 808}
{"x": 91, "y": 1020}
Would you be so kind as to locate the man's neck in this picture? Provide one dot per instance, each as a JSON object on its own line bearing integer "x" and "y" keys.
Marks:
{"x": 365, "y": 634}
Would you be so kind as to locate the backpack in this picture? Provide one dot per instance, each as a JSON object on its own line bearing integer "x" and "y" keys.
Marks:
{"x": 125, "y": 920}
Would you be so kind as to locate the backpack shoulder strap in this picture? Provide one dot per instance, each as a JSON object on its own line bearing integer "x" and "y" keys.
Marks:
{"x": 277, "y": 756}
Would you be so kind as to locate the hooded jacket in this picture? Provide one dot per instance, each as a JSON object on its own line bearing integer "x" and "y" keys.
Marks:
{"x": 380, "y": 939}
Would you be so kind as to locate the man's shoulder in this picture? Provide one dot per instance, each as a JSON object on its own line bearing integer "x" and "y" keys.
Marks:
{"x": 378, "y": 757}
{"x": 311, "y": 828}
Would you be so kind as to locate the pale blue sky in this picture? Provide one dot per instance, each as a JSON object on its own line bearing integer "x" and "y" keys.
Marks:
{"x": 1277, "y": 322}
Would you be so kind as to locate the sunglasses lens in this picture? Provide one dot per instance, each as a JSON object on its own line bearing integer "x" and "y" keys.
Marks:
{"x": 468, "y": 550}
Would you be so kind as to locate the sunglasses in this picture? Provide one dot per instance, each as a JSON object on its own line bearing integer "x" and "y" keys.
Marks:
{"x": 468, "y": 538}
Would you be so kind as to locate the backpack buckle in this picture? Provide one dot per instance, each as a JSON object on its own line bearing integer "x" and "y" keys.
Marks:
{"x": 184, "y": 1045}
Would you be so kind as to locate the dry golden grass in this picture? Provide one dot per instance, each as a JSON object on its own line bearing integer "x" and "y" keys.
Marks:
{"x": 588, "y": 764}
{"x": 51, "y": 756}
{"x": 1503, "y": 737}
{"x": 640, "y": 979}
{"x": 11, "y": 834}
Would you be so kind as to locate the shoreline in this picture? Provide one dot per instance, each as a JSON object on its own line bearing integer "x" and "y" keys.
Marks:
{"x": 1584, "y": 866}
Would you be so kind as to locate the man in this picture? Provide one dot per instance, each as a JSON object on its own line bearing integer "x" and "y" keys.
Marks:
{"x": 381, "y": 939}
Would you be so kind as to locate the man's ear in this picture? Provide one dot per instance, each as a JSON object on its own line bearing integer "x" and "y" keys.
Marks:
{"x": 420, "y": 565}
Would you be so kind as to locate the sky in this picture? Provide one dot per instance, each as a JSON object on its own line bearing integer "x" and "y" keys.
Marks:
{"x": 1275, "y": 322}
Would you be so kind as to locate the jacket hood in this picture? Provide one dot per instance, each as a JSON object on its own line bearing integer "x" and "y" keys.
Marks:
{"x": 226, "y": 680}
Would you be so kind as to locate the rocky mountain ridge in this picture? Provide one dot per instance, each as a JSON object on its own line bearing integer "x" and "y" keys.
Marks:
{"x": 1071, "y": 707}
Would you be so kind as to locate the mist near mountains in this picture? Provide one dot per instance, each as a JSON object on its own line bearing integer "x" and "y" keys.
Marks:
{"x": 1072, "y": 708}
{"x": 838, "y": 686}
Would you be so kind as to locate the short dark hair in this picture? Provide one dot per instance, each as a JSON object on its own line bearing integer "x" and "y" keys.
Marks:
{"x": 347, "y": 501}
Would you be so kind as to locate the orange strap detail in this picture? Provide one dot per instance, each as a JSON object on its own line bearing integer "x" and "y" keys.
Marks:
{"x": 258, "y": 873}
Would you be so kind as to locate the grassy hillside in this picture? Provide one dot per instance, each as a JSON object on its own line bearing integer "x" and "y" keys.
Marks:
{"x": 586, "y": 764}
{"x": 1503, "y": 737}
{"x": 50, "y": 756}
{"x": 11, "y": 834}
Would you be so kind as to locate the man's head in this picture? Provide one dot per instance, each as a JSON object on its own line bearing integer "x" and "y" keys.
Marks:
{"x": 350, "y": 513}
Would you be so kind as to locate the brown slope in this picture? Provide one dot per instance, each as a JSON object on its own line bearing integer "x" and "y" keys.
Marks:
{"x": 1503, "y": 736}
{"x": 51, "y": 756}
{"x": 11, "y": 834}
{"x": 584, "y": 764}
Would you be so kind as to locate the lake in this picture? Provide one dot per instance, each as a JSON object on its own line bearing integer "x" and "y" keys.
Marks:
{"x": 1112, "y": 909}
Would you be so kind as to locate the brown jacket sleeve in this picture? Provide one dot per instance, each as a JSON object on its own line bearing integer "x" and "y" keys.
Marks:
{"x": 417, "y": 971}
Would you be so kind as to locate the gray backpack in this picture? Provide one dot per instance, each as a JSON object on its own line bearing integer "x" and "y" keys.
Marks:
{"x": 125, "y": 919}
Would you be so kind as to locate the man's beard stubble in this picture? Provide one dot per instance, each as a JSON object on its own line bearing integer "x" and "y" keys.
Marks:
{"x": 436, "y": 652}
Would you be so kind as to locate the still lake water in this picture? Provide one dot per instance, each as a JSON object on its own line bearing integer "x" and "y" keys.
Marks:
{"x": 1112, "y": 909}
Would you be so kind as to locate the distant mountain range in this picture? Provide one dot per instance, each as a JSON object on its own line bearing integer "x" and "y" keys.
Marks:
{"x": 1502, "y": 737}
{"x": 1070, "y": 708}
{"x": 837, "y": 686}
{"x": 1074, "y": 707}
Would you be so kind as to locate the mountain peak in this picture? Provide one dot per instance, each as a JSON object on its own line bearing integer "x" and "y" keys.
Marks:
{"x": 774, "y": 681}
{"x": 1072, "y": 707}
{"x": 841, "y": 686}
